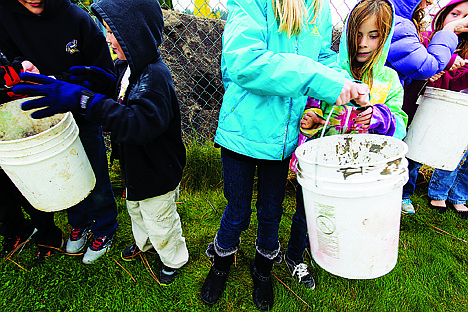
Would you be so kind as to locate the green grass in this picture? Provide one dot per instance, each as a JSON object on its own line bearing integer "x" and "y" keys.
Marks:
{"x": 431, "y": 273}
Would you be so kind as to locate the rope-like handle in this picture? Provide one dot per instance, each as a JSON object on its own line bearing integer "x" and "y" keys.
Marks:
{"x": 327, "y": 121}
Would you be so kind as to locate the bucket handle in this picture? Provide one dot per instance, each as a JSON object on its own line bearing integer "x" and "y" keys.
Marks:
{"x": 327, "y": 121}
{"x": 321, "y": 136}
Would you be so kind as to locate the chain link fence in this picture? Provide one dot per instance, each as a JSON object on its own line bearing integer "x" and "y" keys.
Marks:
{"x": 192, "y": 49}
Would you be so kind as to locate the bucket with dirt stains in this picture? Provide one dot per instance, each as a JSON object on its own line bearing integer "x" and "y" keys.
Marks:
{"x": 352, "y": 186}
{"x": 44, "y": 158}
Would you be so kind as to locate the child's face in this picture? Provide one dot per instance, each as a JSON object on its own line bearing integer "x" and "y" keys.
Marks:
{"x": 110, "y": 38}
{"x": 368, "y": 40}
{"x": 458, "y": 12}
{"x": 34, "y": 6}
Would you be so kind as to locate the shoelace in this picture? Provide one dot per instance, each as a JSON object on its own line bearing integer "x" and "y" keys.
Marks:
{"x": 98, "y": 242}
{"x": 18, "y": 239}
{"x": 135, "y": 250}
{"x": 75, "y": 233}
{"x": 300, "y": 270}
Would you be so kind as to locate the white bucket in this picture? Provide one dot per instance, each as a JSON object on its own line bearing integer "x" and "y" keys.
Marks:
{"x": 437, "y": 134}
{"x": 352, "y": 186}
{"x": 51, "y": 168}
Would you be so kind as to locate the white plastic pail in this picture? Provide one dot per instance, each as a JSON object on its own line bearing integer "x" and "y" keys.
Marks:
{"x": 352, "y": 186}
{"x": 50, "y": 168}
{"x": 437, "y": 134}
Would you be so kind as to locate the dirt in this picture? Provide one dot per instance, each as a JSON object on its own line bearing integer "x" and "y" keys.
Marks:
{"x": 17, "y": 124}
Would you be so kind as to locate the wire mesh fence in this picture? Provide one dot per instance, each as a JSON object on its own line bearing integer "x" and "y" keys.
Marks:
{"x": 192, "y": 50}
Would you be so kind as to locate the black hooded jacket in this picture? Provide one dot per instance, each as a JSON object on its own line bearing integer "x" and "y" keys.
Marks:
{"x": 147, "y": 125}
{"x": 63, "y": 36}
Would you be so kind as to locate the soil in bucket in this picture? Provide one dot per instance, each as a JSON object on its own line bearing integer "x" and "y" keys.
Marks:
{"x": 17, "y": 124}
{"x": 352, "y": 186}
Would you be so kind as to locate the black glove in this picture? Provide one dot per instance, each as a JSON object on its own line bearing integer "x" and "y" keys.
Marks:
{"x": 93, "y": 78}
{"x": 58, "y": 96}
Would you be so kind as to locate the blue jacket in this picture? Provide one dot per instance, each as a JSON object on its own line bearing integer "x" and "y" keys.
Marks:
{"x": 146, "y": 125}
{"x": 267, "y": 77}
{"x": 408, "y": 56}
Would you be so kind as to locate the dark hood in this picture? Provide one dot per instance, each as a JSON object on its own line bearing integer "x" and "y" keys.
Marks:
{"x": 51, "y": 7}
{"x": 138, "y": 27}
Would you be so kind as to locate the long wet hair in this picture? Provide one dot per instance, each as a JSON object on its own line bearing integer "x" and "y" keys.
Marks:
{"x": 291, "y": 15}
{"x": 462, "y": 48}
{"x": 383, "y": 13}
{"x": 418, "y": 19}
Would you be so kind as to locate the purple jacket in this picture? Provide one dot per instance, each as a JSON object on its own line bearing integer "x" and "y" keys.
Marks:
{"x": 455, "y": 80}
{"x": 408, "y": 56}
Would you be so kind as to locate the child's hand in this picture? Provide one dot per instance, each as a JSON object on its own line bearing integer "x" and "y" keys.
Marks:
{"x": 354, "y": 91}
{"x": 363, "y": 116}
{"x": 458, "y": 26}
{"x": 459, "y": 62}
{"x": 436, "y": 76}
{"x": 29, "y": 67}
{"x": 311, "y": 121}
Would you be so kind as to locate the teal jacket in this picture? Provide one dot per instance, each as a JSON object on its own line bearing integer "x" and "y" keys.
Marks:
{"x": 267, "y": 77}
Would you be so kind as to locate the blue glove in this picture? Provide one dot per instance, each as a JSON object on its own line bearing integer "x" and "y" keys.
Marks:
{"x": 58, "y": 96}
{"x": 93, "y": 78}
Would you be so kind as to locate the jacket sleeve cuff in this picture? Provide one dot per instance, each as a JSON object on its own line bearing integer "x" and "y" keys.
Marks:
{"x": 87, "y": 101}
{"x": 383, "y": 121}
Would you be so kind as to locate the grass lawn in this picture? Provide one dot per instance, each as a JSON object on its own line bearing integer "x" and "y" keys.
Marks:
{"x": 431, "y": 273}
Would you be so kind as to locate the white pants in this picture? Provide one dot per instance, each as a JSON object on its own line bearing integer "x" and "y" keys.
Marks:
{"x": 156, "y": 223}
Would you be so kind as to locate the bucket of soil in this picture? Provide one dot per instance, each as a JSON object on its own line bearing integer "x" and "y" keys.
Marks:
{"x": 44, "y": 157}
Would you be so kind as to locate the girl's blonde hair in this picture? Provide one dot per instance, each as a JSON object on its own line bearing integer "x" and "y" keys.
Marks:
{"x": 462, "y": 48}
{"x": 382, "y": 11}
{"x": 418, "y": 19}
{"x": 292, "y": 13}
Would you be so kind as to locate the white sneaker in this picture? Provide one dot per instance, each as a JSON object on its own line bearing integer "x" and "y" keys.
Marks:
{"x": 98, "y": 248}
{"x": 77, "y": 240}
{"x": 407, "y": 206}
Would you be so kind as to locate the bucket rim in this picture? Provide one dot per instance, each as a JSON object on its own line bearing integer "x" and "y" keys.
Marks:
{"x": 400, "y": 155}
{"x": 444, "y": 94}
{"x": 33, "y": 137}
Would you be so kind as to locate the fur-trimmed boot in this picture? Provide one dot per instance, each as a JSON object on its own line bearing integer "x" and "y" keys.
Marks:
{"x": 260, "y": 270}
{"x": 213, "y": 286}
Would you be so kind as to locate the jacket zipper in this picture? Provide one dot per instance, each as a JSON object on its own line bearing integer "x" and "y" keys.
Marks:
{"x": 296, "y": 50}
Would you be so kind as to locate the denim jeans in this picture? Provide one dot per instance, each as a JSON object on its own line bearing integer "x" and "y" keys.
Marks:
{"x": 451, "y": 185}
{"x": 298, "y": 238}
{"x": 239, "y": 173}
{"x": 99, "y": 209}
{"x": 413, "y": 170}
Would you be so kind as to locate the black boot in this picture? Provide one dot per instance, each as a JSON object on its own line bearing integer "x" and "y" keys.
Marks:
{"x": 260, "y": 271}
{"x": 213, "y": 286}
